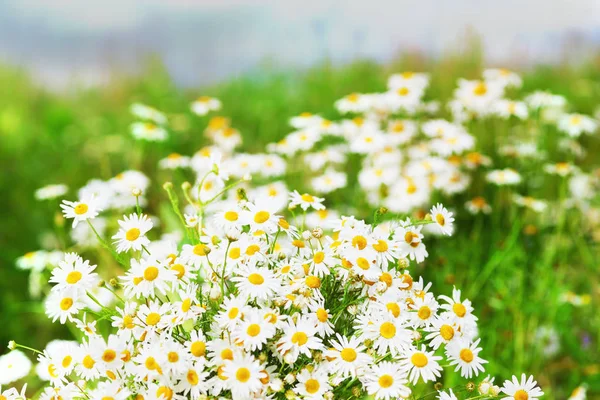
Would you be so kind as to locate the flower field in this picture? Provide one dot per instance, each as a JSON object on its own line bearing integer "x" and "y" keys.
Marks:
{"x": 422, "y": 229}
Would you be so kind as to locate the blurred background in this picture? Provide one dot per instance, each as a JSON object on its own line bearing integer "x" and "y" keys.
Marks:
{"x": 64, "y": 41}
{"x": 69, "y": 70}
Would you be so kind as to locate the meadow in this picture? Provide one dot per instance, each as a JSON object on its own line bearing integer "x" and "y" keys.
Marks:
{"x": 529, "y": 270}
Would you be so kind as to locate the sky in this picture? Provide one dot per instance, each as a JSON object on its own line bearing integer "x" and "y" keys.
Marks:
{"x": 62, "y": 41}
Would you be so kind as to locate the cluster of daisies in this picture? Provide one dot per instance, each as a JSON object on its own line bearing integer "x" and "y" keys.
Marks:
{"x": 244, "y": 304}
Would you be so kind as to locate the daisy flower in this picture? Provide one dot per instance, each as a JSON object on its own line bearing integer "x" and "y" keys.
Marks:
{"x": 132, "y": 233}
{"x": 14, "y": 366}
{"x": 299, "y": 338}
{"x": 576, "y": 124}
{"x": 80, "y": 210}
{"x": 73, "y": 274}
{"x": 244, "y": 376}
{"x": 253, "y": 331}
{"x": 525, "y": 389}
{"x": 420, "y": 363}
{"x": 305, "y": 201}
{"x": 387, "y": 380}
{"x": 466, "y": 358}
{"x": 261, "y": 215}
{"x": 347, "y": 356}
{"x": 444, "y": 219}
{"x": 312, "y": 384}
{"x": 62, "y": 306}
{"x": 51, "y": 192}
{"x": 257, "y": 282}
{"x": 478, "y": 205}
{"x": 205, "y": 104}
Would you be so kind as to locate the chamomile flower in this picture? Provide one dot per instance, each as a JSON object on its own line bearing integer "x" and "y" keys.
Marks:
{"x": 525, "y": 389}
{"x": 62, "y": 306}
{"x": 73, "y": 275}
{"x": 576, "y": 124}
{"x": 14, "y": 366}
{"x": 299, "y": 338}
{"x": 205, "y": 104}
{"x": 347, "y": 356}
{"x": 80, "y": 210}
{"x": 444, "y": 219}
{"x": 504, "y": 177}
{"x": 132, "y": 232}
{"x": 466, "y": 358}
{"x": 419, "y": 363}
{"x": 253, "y": 332}
{"x": 244, "y": 375}
{"x": 305, "y": 201}
{"x": 478, "y": 205}
{"x": 51, "y": 192}
{"x": 312, "y": 384}
{"x": 387, "y": 380}
{"x": 257, "y": 282}
{"x": 447, "y": 395}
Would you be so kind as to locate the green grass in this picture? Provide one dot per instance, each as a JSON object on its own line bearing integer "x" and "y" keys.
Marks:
{"x": 514, "y": 280}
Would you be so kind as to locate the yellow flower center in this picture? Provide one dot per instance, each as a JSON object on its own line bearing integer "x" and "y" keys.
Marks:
{"x": 387, "y": 330}
{"x": 348, "y": 354}
{"x": 480, "y": 89}
{"x": 51, "y": 371}
{"x": 242, "y": 375}
{"x": 233, "y": 312}
{"x": 386, "y": 278}
{"x": 466, "y": 355}
{"x": 299, "y": 338}
{"x": 385, "y": 381}
{"x": 394, "y": 308}
{"x": 318, "y": 257}
{"x": 256, "y": 279}
{"x": 283, "y": 224}
{"x": 231, "y": 216}
{"x": 200, "y": 249}
{"x": 67, "y": 361}
{"x": 521, "y": 395}
{"x": 363, "y": 263}
{"x": 307, "y": 198}
{"x": 66, "y": 303}
{"x": 73, "y": 277}
{"x": 424, "y": 312}
{"x": 252, "y": 249}
{"x": 153, "y": 319}
{"x": 261, "y": 217}
{"x": 403, "y": 91}
{"x": 359, "y": 242}
{"x": 173, "y": 357}
{"x": 179, "y": 270}
{"x": 439, "y": 218}
{"x": 88, "y": 362}
{"x": 151, "y": 273}
{"x": 192, "y": 377}
{"x": 447, "y": 332}
{"x": 80, "y": 208}
{"x": 132, "y": 234}
{"x": 186, "y": 305}
{"x": 322, "y": 315}
{"x": 109, "y": 355}
{"x": 459, "y": 309}
{"x": 381, "y": 246}
{"x": 312, "y": 386}
{"x": 253, "y": 330}
{"x": 198, "y": 349}
{"x": 235, "y": 253}
{"x": 165, "y": 392}
{"x": 313, "y": 282}
{"x": 419, "y": 360}
{"x": 227, "y": 354}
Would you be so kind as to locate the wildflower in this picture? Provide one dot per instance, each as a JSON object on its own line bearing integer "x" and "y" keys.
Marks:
{"x": 132, "y": 233}
{"x": 81, "y": 210}
{"x": 525, "y": 389}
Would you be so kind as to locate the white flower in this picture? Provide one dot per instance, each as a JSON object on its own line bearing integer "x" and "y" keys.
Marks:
{"x": 81, "y": 210}
{"x": 526, "y": 389}
{"x": 14, "y": 366}
{"x": 132, "y": 232}
{"x": 444, "y": 219}
{"x": 51, "y": 192}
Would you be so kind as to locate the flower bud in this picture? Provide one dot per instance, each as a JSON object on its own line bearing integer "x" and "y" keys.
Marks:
{"x": 12, "y": 345}
{"x": 306, "y": 235}
{"x": 215, "y": 293}
{"x": 136, "y": 192}
{"x": 317, "y": 233}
